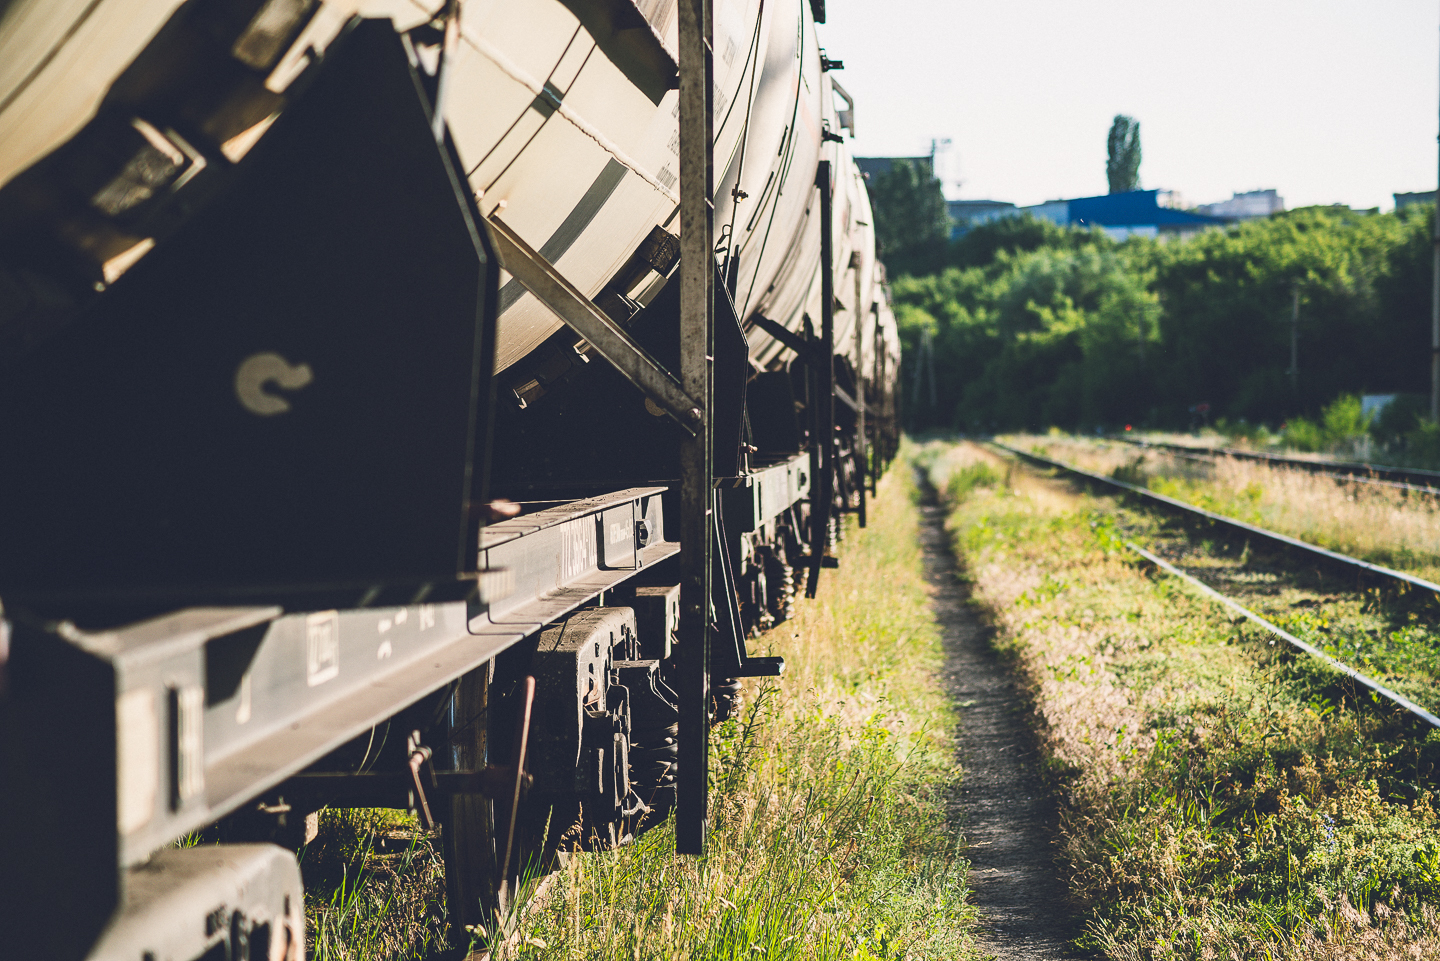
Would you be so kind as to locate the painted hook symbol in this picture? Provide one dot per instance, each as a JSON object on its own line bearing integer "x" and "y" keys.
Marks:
{"x": 259, "y": 370}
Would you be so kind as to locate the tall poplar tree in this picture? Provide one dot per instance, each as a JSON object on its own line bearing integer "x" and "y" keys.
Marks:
{"x": 1122, "y": 148}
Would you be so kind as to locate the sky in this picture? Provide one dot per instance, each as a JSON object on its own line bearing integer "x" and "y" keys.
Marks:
{"x": 1327, "y": 101}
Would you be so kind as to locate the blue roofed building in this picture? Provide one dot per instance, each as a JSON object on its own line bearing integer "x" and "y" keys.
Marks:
{"x": 1135, "y": 213}
{"x": 966, "y": 214}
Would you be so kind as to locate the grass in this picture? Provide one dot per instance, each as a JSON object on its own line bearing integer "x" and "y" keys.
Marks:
{"x": 1377, "y": 524}
{"x": 1221, "y": 797}
{"x": 830, "y": 836}
{"x": 374, "y": 887}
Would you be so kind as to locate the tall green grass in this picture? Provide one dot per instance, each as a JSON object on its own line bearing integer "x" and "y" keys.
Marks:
{"x": 374, "y": 888}
{"x": 830, "y": 835}
{"x": 830, "y": 790}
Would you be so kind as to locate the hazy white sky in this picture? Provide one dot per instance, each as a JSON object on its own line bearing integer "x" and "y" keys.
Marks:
{"x": 1329, "y": 101}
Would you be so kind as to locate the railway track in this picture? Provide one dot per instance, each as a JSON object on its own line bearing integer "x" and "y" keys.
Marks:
{"x": 1363, "y": 570}
{"x": 1398, "y": 478}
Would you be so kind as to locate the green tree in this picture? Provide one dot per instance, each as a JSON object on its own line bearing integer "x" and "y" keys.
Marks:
{"x": 1035, "y": 325}
{"x": 1228, "y": 295}
{"x": 982, "y": 246}
{"x": 979, "y": 246}
{"x": 1122, "y": 150}
{"x": 912, "y": 224}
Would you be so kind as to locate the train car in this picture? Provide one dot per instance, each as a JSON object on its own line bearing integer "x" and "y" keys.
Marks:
{"x": 342, "y": 460}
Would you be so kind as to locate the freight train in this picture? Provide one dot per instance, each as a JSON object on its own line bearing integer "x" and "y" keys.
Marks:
{"x": 342, "y": 457}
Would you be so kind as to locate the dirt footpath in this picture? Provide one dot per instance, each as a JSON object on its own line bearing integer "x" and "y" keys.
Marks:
{"x": 1006, "y": 815}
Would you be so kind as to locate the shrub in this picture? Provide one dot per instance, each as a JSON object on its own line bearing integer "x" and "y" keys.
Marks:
{"x": 1242, "y": 431}
{"x": 1399, "y": 417}
{"x": 965, "y": 480}
{"x": 1423, "y": 442}
{"x": 1342, "y": 421}
{"x": 1345, "y": 420}
{"x": 1303, "y": 434}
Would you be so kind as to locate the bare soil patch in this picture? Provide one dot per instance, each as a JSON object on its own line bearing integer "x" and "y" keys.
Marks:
{"x": 1008, "y": 815}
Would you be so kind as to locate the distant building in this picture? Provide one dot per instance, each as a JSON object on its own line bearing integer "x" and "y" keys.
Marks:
{"x": 968, "y": 214}
{"x": 872, "y": 167}
{"x": 1055, "y": 211}
{"x": 1422, "y": 197}
{"x": 1373, "y": 405}
{"x": 1250, "y": 205}
{"x": 1135, "y": 213}
{"x": 1172, "y": 199}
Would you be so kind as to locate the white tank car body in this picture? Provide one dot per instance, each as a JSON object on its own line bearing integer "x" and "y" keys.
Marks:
{"x": 556, "y": 141}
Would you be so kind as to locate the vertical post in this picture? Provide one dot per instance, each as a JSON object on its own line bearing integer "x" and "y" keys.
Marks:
{"x": 697, "y": 305}
{"x": 862, "y": 453}
{"x": 1295, "y": 342}
{"x": 881, "y": 398}
{"x": 813, "y": 386}
{"x": 1140, "y": 333}
{"x": 470, "y": 872}
{"x": 1435, "y": 320}
{"x": 822, "y": 491}
{"x": 1435, "y": 303}
{"x": 930, "y": 369}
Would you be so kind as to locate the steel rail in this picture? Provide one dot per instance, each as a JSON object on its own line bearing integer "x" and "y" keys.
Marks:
{"x": 1409, "y": 478}
{"x": 1210, "y": 455}
{"x": 1282, "y": 539}
{"x": 1308, "y": 648}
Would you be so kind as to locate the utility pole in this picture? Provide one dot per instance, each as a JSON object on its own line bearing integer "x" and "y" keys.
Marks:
{"x": 1140, "y": 342}
{"x": 697, "y": 350}
{"x": 930, "y": 369}
{"x": 1295, "y": 342}
{"x": 1435, "y": 302}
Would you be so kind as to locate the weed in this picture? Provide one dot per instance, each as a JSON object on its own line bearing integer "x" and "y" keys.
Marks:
{"x": 829, "y": 836}
{"x": 828, "y": 839}
{"x": 1374, "y": 523}
{"x": 1221, "y": 797}
{"x": 374, "y": 888}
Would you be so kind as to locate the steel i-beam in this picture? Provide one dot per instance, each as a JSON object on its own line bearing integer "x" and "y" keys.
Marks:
{"x": 697, "y": 333}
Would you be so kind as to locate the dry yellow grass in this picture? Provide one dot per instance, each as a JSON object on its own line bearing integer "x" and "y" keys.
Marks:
{"x": 1378, "y": 524}
{"x": 1092, "y": 724}
{"x": 1213, "y": 805}
{"x": 829, "y": 835}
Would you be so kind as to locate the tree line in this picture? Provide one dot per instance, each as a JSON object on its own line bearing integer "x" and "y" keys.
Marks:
{"x": 1027, "y": 325}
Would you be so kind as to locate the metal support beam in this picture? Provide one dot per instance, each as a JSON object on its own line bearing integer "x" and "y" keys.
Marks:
{"x": 783, "y": 334}
{"x": 470, "y": 873}
{"x": 845, "y": 398}
{"x": 697, "y": 334}
{"x": 861, "y": 455}
{"x": 823, "y": 486}
{"x": 541, "y": 278}
{"x": 1435, "y": 309}
{"x": 881, "y": 451}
